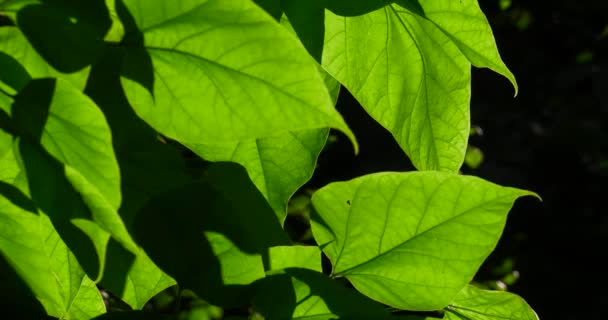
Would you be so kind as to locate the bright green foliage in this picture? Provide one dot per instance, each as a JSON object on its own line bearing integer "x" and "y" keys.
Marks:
{"x": 213, "y": 81}
{"x": 475, "y": 303}
{"x": 411, "y": 240}
{"x": 33, "y": 247}
{"x": 426, "y": 111}
{"x": 277, "y": 165}
{"x": 108, "y": 106}
{"x": 308, "y": 257}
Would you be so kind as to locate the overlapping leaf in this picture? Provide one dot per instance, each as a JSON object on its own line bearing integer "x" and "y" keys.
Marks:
{"x": 478, "y": 304}
{"x": 410, "y": 240}
{"x": 409, "y": 67}
{"x": 211, "y": 71}
{"x": 409, "y": 76}
{"x": 467, "y": 26}
{"x": 280, "y": 164}
{"x": 72, "y": 129}
{"x": 34, "y": 249}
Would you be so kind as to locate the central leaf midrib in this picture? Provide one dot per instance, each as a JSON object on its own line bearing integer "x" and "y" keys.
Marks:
{"x": 247, "y": 75}
{"x": 348, "y": 270}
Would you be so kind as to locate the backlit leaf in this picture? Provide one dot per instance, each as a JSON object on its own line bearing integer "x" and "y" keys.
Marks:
{"x": 305, "y": 257}
{"x": 408, "y": 64}
{"x": 34, "y": 249}
{"x": 478, "y": 304}
{"x": 213, "y": 71}
{"x": 410, "y": 240}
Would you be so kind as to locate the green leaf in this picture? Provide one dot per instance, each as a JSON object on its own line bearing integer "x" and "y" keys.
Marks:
{"x": 468, "y": 28}
{"x": 306, "y": 257}
{"x": 212, "y": 71}
{"x": 478, "y": 304}
{"x": 35, "y": 250}
{"x": 72, "y": 129}
{"x": 14, "y": 44}
{"x": 148, "y": 167}
{"x": 409, "y": 76}
{"x": 117, "y": 31}
{"x": 410, "y": 240}
{"x": 278, "y": 165}
{"x": 68, "y": 34}
{"x": 223, "y": 224}
{"x": 306, "y": 294}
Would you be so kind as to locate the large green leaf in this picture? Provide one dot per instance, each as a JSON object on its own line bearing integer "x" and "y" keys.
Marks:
{"x": 212, "y": 71}
{"x": 478, "y": 304}
{"x": 35, "y": 250}
{"x": 224, "y": 226}
{"x": 14, "y": 44}
{"x": 409, "y": 66}
{"x": 410, "y": 240}
{"x": 305, "y": 294}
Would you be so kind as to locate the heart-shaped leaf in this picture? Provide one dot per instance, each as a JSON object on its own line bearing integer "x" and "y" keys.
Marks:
{"x": 411, "y": 240}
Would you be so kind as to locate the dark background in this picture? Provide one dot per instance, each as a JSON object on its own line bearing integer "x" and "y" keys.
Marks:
{"x": 552, "y": 139}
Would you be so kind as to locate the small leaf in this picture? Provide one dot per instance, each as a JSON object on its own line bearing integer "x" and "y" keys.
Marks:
{"x": 213, "y": 71}
{"x": 305, "y": 257}
{"x": 478, "y": 304}
{"x": 305, "y": 294}
{"x": 410, "y": 240}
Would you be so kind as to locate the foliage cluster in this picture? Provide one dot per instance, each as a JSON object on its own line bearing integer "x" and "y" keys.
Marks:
{"x": 108, "y": 109}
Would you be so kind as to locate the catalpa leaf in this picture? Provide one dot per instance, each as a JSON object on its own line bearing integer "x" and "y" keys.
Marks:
{"x": 410, "y": 240}
{"x": 212, "y": 71}
{"x": 35, "y": 250}
{"x": 474, "y": 303}
{"x": 280, "y": 164}
{"x": 408, "y": 65}
{"x": 305, "y": 294}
